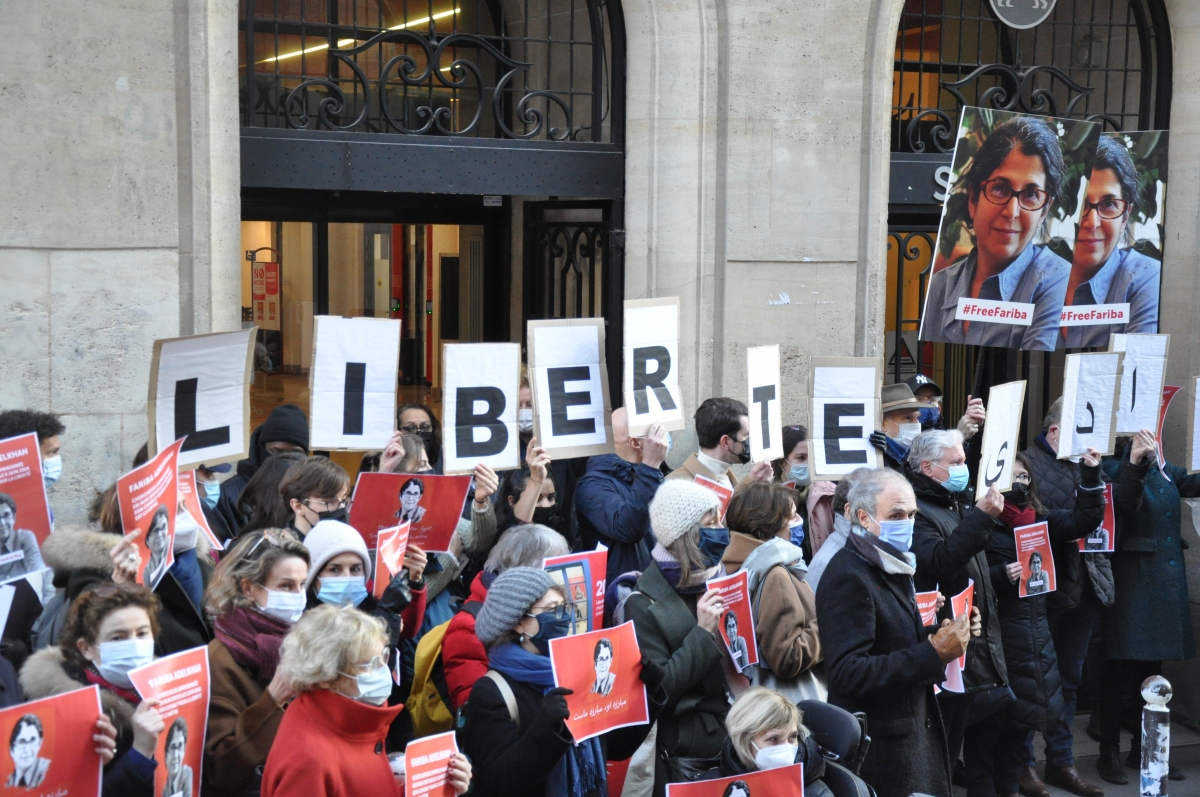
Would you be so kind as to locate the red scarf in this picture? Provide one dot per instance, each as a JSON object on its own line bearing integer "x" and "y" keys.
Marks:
{"x": 253, "y": 639}
{"x": 127, "y": 695}
{"x": 1014, "y": 516}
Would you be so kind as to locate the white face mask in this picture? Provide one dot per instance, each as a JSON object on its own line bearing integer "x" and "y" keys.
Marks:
{"x": 186, "y": 530}
{"x": 908, "y": 432}
{"x": 525, "y": 419}
{"x": 287, "y": 606}
{"x": 51, "y": 469}
{"x": 118, "y": 658}
{"x": 775, "y": 756}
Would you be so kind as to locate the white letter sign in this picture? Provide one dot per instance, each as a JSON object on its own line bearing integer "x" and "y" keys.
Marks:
{"x": 1000, "y": 435}
{"x": 1089, "y": 410}
{"x": 1193, "y": 456}
{"x": 652, "y": 365}
{"x": 571, "y": 410}
{"x": 843, "y": 411}
{"x": 1144, "y": 373}
{"x": 480, "y": 384}
{"x": 766, "y": 424}
{"x": 200, "y": 389}
{"x": 353, "y": 382}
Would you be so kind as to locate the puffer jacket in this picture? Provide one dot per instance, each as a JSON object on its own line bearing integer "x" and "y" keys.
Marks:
{"x": 1028, "y": 646}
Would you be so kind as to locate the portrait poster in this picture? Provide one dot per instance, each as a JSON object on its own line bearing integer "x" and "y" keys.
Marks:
{"x": 431, "y": 504}
{"x": 1091, "y": 384}
{"x": 148, "y": 497}
{"x": 723, "y": 493}
{"x": 927, "y": 607}
{"x": 1036, "y": 560}
{"x": 1143, "y": 375}
{"x": 737, "y": 623}
{"x": 391, "y": 545}
{"x": 1118, "y": 255}
{"x": 604, "y": 668}
{"x": 191, "y": 503}
{"x": 1168, "y": 394}
{"x": 427, "y": 765}
{"x": 1002, "y": 217}
{"x": 764, "y": 391}
{"x": 52, "y": 750}
{"x": 181, "y": 685}
{"x": 583, "y": 575}
{"x": 1000, "y": 437}
{"x": 352, "y": 382}
{"x": 572, "y": 414}
{"x": 21, "y": 480}
{"x": 779, "y": 782}
{"x": 651, "y": 365}
{"x": 1103, "y": 539}
{"x": 1193, "y": 428}
{"x": 200, "y": 390}
{"x": 843, "y": 412}
{"x": 481, "y": 383}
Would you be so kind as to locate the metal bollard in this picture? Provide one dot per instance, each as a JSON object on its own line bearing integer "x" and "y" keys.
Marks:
{"x": 1156, "y": 736}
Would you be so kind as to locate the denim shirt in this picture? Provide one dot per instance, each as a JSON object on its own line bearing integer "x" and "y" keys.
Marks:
{"x": 1038, "y": 277}
{"x": 1127, "y": 276}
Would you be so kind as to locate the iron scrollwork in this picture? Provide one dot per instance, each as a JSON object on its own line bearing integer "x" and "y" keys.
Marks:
{"x": 570, "y": 250}
{"x": 1016, "y": 91}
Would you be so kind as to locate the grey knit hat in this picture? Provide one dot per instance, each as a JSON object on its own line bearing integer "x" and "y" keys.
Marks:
{"x": 508, "y": 599}
{"x": 678, "y": 507}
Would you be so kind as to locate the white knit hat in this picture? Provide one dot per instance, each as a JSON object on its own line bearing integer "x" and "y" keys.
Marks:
{"x": 678, "y": 507}
{"x": 330, "y": 538}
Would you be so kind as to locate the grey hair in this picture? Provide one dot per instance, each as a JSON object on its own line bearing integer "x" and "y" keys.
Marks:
{"x": 931, "y": 446}
{"x": 865, "y": 494}
{"x": 525, "y": 545}
{"x": 841, "y": 495}
{"x": 1053, "y": 415}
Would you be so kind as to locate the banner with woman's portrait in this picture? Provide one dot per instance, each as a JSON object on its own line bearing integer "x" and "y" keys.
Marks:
{"x": 148, "y": 497}
{"x": 181, "y": 684}
{"x": 50, "y": 746}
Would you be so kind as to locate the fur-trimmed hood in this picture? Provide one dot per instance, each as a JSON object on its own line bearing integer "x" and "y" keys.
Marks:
{"x": 45, "y": 674}
{"x": 79, "y": 549}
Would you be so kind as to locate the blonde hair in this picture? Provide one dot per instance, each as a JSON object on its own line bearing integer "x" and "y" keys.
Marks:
{"x": 756, "y": 710}
{"x": 253, "y": 559}
{"x": 326, "y": 641}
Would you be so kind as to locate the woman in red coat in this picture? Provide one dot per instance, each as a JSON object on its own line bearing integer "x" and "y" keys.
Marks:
{"x": 331, "y": 740}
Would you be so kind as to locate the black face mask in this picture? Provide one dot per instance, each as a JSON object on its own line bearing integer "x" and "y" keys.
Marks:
{"x": 546, "y": 516}
{"x": 1019, "y": 495}
{"x": 432, "y": 448}
{"x": 341, "y": 514}
{"x": 744, "y": 457}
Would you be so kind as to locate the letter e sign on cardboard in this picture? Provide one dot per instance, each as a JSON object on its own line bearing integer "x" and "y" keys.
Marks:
{"x": 353, "y": 382}
{"x": 571, "y": 411}
{"x": 844, "y": 411}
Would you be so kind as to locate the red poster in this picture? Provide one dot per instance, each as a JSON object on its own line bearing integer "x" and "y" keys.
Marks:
{"x": 427, "y": 766}
{"x": 389, "y": 556}
{"x": 737, "y": 624}
{"x": 604, "y": 668}
{"x": 1037, "y": 562}
{"x": 191, "y": 502}
{"x": 149, "y": 498}
{"x": 1168, "y": 393}
{"x": 1105, "y": 535}
{"x": 781, "y": 782}
{"x": 927, "y": 606}
{"x": 961, "y": 604}
{"x": 21, "y": 480}
{"x": 724, "y": 493}
{"x": 432, "y": 504}
{"x": 51, "y": 752}
{"x": 180, "y": 683}
{"x": 617, "y": 771}
{"x": 583, "y": 576}
{"x": 264, "y": 290}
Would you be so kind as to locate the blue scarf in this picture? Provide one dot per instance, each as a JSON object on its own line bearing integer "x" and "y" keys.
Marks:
{"x": 582, "y": 770}
{"x": 896, "y": 450}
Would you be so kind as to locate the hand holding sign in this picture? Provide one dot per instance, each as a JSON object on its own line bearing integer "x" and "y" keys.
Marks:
{"x": 992, "y": 503}
{"x": 999, "y": 446}
{"x": 1143, "y": 445}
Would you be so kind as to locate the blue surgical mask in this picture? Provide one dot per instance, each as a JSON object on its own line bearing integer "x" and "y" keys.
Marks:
{"x": 896, "y": 533}
{"x": 796, "y": 531}
{"x": 713, "y": 543}
{"x": 374, "y": 687}
{"x": 799, "y": 474}
{"x": 550, "y": 627}
{"x": 928, "y": 418}
{"x": 51, "y": 469}
{"x": 212, "y": 494}
{"x": 958, "y": 478}
{"x": 118, "y": 658}
{"x": 342, "y": 590}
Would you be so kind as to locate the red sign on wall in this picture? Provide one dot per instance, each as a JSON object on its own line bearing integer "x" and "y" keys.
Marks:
{"x": 264, "y": 289}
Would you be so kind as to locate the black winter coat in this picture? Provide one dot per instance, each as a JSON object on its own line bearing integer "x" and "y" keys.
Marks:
{"x": 1028, "y": 646}
{"x": 808, "y": 754}
{"x": 950, "y": 539}
{"x": 880, "y": 661}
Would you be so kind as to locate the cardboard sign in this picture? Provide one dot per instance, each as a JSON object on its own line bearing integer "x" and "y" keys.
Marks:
{"x": 1089, "y": 410}
{"x": 21, "y": 480}
{"x": 1000, "y": 437}
{"x": 1193, "y": 433}
{"x": 391, "y": 545}
{"x": 583, "y": 576}
{"x": 148, "y": 497}
{"x": 765, "y": 392}
{"x": 22, "y": 596}
{"x": 651, "y": 384}
{"x": 481, "y": 382}
{"x": 737, "y": 624}
{"x": 1143, "y": 375}
{"x": 1036, "y": 559}
{"x": 264, "y": 292}
{"x": 191, "y": 502}
{"x": 51, "y": 751}
{"x": 1168, "y": 393}
{"x": 604, "y": 669}
{"x": 927, "y": 607}
{"x": 844, "y": 411}
{"x": 571, "y": 409}
{"x": 723, "y": 492}
{"x": 181, "y": 685}
{"x": 1103, "y": 539}
{"x": 427, "y": 766}
{"x": 781, "y": 782}
{"x": 355, "y": 362}
{"x": 431, "y": 504}
{"x": 200, "y": 391}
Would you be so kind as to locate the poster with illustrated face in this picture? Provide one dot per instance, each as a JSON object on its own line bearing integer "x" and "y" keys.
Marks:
{"x": 391, "y": 545}
{"x": 582, "y": 575}
{"x": 1008, "y": 230}
{"x": 737, "y": 623}
{"x": 927, "y": 607}
{"x": 50, "y": 747}
{"x": 1091, "y": 384}
{"x": 23, "y": 504}
{"x": 1035, "y": 558}
{"x": 148, "y": 497}
{"x": 191, "y": 504}
{"x": 779, "y": 782}
{"x": 1103, "y": 539}
{"x": 603, "y": 668}
{"x": 431, "y": 504}
{"x": 651, "y": 383}
{"x": 1000, "y": 437}
{"x": 181, "y": 685}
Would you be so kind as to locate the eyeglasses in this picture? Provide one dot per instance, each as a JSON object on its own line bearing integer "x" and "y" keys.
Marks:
{"x": 412, "y": 428}
{"x": 560, "y": 611}
{"x": 342, "y": 504}
{"x": 1107, "y": 208}
{"x": 999, "y": 192}
{"x": 372, "y": 665}
{"x": 1023, "y": 478}
{"x": 271, "y": 538}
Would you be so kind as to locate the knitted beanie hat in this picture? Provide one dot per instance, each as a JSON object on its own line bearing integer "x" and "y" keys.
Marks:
{"x": 678, "y": 507}
{"x": 508, "y": 599}
{"x": 330, "y": 538}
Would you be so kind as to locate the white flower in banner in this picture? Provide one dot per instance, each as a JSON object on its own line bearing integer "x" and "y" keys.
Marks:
{"x": 1062, "y": 131}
